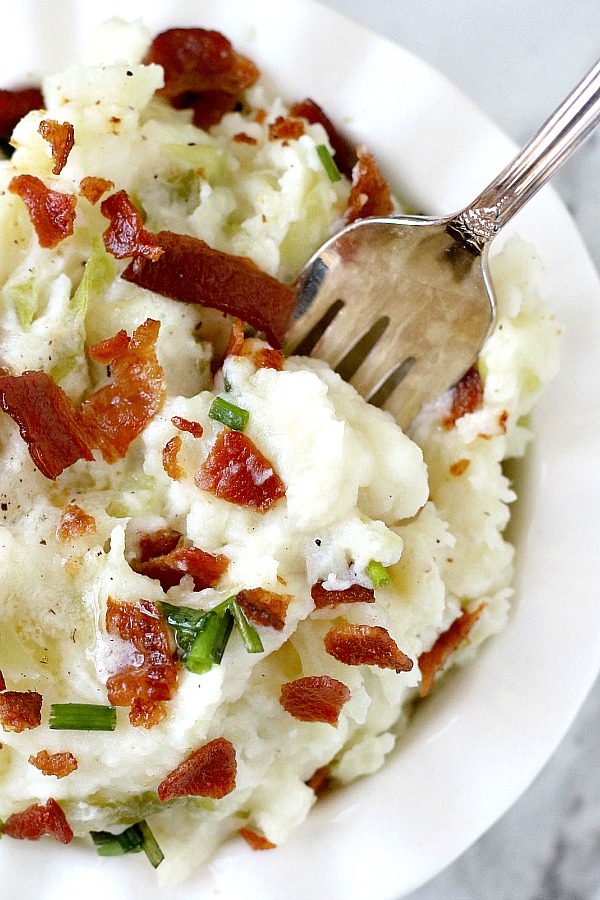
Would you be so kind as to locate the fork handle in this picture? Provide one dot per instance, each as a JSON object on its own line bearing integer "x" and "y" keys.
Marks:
{"x": 562, "y": 133}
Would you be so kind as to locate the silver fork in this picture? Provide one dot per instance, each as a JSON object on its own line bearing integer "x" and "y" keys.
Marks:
{"x": 401, "y": 306}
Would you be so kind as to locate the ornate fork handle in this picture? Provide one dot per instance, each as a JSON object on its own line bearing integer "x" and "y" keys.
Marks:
{"x": 561, "y": 134}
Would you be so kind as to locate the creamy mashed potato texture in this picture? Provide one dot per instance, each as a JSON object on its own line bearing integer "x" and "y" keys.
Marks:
{"x": 428, "y": 509}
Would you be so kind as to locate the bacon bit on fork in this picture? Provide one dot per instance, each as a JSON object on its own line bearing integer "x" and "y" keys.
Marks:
{"x": 169, "y": 459}
{"x": 52, "y": 213}
{"x": 36, "y": 820}
{"x": 317, "y": 698}
{"x": 264, "y": 607}
{"x": 433, "y": 660}
{"x": 193, "y": 428}
{"x": 467, "y": 397}
{"x": 75, "y": 523}
{"x": 58, "y": 764}
{"x": 61, "y": 137}
{"x": 207, "y": 772}
{"x": 92, "y": 188}
{"x": 16, "y": 104}
{"x": 126, "y": 235}
{"x": 20, "y": 710}
{"x": 356, "y": 593}
{"x": 256, "y": 841}
{"x": 236, "y": 470}
{"x": 369, "y": 195}
{"x": 366, "y": 645}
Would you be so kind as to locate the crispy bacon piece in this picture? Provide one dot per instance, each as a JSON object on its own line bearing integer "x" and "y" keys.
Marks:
{"x": 207, "y": 772}
{"x": 155, "y": 677}
{"x": 170, "y": 568}
{"x": 193, "y": 428}
{"x": 268, "y": 358}
{"x": 461, "y": 465}
{"x": 75, "y": 523}
{"x": 286, "y": 128}
{"x": 320, "y": 780}
{"x": 467, "y": 397}
{"x": 120, "y": 411}
{"x": 265, "y": 607}
{"x": 433, "y": 660}
{"x": 20, "y": 710}
{"x": 16, "y": 104}
{"x": 36, "y": 820}
{"x": 52, "y": 213}
{"x": 192, "y": 272}
{"x": 126, "y": 235}
{"x": 235, "y": 344}
{"x": 92, "y": 187}
{"x": 262, "y": 357}
{"x": 61, "y": 137}
{"x": 256, "y": 841}
{"x": 59, "y": 764}
{"x": 169, "y": 459}
{"x": 317, "y": 698}
{"x": 147, "y": 713}
{"x": 345, "y": 153}
{"x": 366, "y": 645}
{"x": 242, "y": 138}
{"x": 157, "y": 543}
{"x": 370, "y": 195}
{"x": 236, "y": 470}
{"x": 202, "y": 72}
{"x": 356, "y": 593}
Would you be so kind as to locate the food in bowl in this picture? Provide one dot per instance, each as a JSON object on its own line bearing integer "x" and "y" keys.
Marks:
{"x": 226, "y": 577}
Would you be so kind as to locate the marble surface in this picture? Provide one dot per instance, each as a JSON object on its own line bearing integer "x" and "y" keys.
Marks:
{"x": 517, "y": 60}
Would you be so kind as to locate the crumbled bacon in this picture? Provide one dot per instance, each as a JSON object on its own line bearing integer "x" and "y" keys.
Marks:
{"x": 61, "y": 137}
{"x": 265, "y": 607}
{"x": 467, "y": 397}
{"x": 2, "y": 682}
{"x": 256, "y": 841}
{"x": 52, "y": 213}
{"x": 20, "y": 710}
{"x": 207, "y": 772}
{"x": 75, "y": 523}
{"x": 202, "y": 72}
{"x": 366, "y": 645}
{"x": 16, "y": 104}
{"x": 242, "y": 138}
{"x": 370, "y": 195}
{"x": 260, "y": 116}
{"x": 59, "y": 764}
{"x": 286, "y": 128}
{"x": 316, "y": 698}
{"x": 356, "y": 593}
{"x": 36, "y": 820}
{"x": 155, "y": 677}
{"x": 169, "y": 459}
{"x": 193, "y": 428}
{"x": 433, "y": 660}
{"x": 126, "y": 235}
{"x": 236, "y": 470}
{"x": 157, "y": 543}
{"x": 320, "y": 780}
{"x": 147, "y": 713}
{"x": 192, "y": 272}
{"x": 268, "y": 358}
{"x": 461, "y": 465}
{"x": 120, "y": 411}
{"x": 205, "y": 568}
{"x": 92, "y": 187}
{"x": 235, "y": 345}
{"x": 345, "y": 153}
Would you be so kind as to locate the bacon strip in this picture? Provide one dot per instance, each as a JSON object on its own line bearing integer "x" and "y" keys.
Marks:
{"x": 236, "y": 470}
{"x": 344, "y": 151}
{"x": 169, "y": 569}
{"x": 61, "y": 137}
{"x": 58, "y": 764}
{"x": 433, "y": 660}
{"x": 265, "y": 607}
{"x": 467, "y": 397}
{"x": 317, "y": 698}
{"x": 369, "y": 195}
{"x": 207, "y": 772}
{"x": 52, "y": 213}
{"x": 356, "y": 593}
{"x": 192, "y": 272}
{"x": 20, "y": 710}
{"x": 35, "y": 821}
{"x": 256, "y": 841}
{"x": 126, "y": 235}
{"x": 366, "y": 645}
{"x": 16, "y": 104}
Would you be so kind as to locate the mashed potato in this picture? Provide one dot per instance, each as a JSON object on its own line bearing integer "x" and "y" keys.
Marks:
{"x": 430, "y": 508}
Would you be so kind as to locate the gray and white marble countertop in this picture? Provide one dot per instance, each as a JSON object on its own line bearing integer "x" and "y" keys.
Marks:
{"x": 517, "y": 59}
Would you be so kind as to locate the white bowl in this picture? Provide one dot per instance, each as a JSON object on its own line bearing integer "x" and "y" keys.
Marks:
{"x": 490, "y": 727}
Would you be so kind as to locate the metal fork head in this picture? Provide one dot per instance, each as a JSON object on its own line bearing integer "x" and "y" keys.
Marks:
{"x": 400, "y": 307}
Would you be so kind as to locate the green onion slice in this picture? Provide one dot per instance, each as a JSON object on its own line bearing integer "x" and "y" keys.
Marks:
{"x": 378, "y": 574}
{"x": 328, "y": 163}
{"x": 229, "y": 414}
{"x": 82, "y": 717}
{"x": 248, "y": 632}
{"x": 150, "y": 845}
{"x": 199, "y": 658}
{"x": 134, "y": 839}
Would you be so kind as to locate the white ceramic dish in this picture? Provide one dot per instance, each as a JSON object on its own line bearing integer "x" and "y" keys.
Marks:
{"x": 486, "y": 733}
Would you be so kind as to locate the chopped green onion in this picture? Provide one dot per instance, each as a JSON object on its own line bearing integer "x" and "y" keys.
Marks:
{"x": 229, "y": 414}
{"x": 328, "y": 163}
{"x": 134, "y": 839}
{"x": 378, "y": 574}
{"x": 82, "y": 717}
{"x": 150, "y": 846}
{"x": 222, "y": 636}
{"x": 248, "y": 632}
{"x": 199, "y": 658}
{"x": 184, "y": 622}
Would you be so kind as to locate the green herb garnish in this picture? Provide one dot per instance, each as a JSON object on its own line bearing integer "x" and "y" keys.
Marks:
{"x": 378, "y": 574}
{"x": 248, "y": 632}
{"x": 82, "y": 717}
{"x": 134, "y": 839}
{"x": 229, "y": 414}
{"x": 328, "y": 163}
